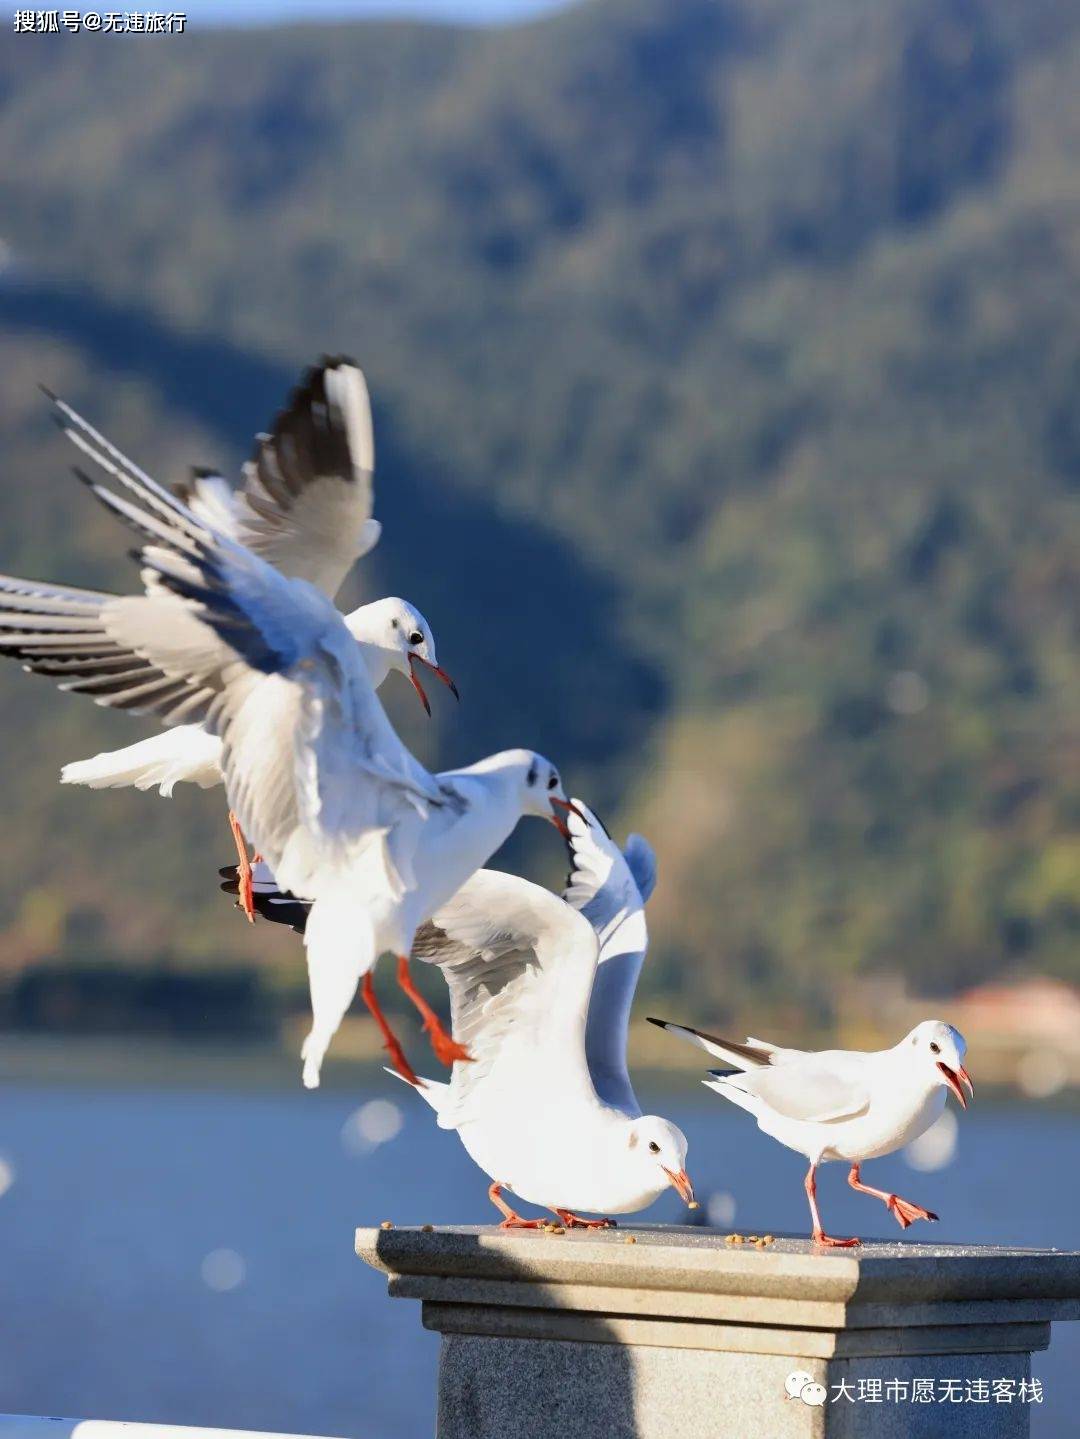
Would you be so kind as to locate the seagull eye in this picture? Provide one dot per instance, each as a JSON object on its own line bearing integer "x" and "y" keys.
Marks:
{"x": 935, "y": 1048}
{"x": 416, "y": 638}
{"x": 654, "y": 1148}
{"x": 553, "y": 782}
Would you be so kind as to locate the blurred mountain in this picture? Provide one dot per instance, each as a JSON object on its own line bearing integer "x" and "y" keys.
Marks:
{"x": 726, "y": 357}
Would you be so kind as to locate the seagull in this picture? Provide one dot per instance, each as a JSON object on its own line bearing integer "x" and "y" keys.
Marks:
{"x": 314, "y": 772}
{"x": 842, "y": 1104}
{"x": 306, "y": 507}
{"x": 540, "y": 991}
{"x": 392, "y": 636}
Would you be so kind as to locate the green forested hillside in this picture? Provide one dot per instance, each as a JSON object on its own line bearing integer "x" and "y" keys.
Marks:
{"x": 727, "y": 366}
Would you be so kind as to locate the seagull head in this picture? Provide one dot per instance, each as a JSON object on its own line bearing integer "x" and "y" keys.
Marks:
{"x": 939, "y": 1050}
{"x": 660, "y": 1149}
{"x": 402, "y": 638}
{"x": 543, "y": 793}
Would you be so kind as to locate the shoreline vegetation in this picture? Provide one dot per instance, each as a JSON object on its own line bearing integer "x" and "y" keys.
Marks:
{"x": 213, "y": 1059}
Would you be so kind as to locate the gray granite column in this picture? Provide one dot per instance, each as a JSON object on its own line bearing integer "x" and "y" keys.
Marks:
{"x": 673, "y": 1333}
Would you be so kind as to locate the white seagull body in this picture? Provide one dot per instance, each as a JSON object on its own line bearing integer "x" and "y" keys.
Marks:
{"x": 842, "y": 1104}
{"x": 314, "y": 771}
{"x": 540, "y": 992}
{"x": 525, "y": 972}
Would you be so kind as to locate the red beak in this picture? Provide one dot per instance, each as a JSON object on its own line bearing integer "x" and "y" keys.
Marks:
{"x": 680, "y": 1180}
{"x": 414, "y": 660}
{"x": 556, "y": 819}
{"x": 953, "y": 1078}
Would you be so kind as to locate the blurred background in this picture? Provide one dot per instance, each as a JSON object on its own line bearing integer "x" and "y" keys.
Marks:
{"x": 725, "y": 357}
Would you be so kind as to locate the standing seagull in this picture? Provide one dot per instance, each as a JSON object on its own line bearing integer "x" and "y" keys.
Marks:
{"x": 306, "y": 507}
{"x": 314, "y": 771}
{"x": 842, "y": 1104}
{"x": 540, "y": 991}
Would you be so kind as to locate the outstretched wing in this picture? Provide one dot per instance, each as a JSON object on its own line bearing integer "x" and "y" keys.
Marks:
{"x": 520, "y": 965}
{"x": 217, "y": 626}
{"x": 604, "y": 888}
{"x": 307, "y": 500}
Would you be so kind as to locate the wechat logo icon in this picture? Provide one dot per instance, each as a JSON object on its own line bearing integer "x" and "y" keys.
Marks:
{"x": 800, "y": 1385}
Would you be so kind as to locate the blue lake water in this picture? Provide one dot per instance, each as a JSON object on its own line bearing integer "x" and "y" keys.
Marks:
{"x": 117, "y": 1196}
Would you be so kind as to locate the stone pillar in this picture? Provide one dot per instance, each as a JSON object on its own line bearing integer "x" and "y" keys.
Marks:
{"x": 681, "y": 1335}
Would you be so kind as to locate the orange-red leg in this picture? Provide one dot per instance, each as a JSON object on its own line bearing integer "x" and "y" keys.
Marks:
{"x": 390, "y": 1040}
{"x": 446, "y": 1049}
{"x": 511, "y": 1220}
{"x": 243, "y": 870}
{"x": 574, "y": 1221}
{"x": 903, "y": 1211}
{"x": 819, "y": 1236}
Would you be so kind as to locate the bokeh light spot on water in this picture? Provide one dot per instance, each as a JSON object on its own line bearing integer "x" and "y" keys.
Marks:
{"x": 937, "y": 1147}
{"x": 720, "y": 1209}
{"x": 1042, "y": 1072}
{"x": 7, "y": 1175}
{"x": 374, "y": 1123}
{"x": 222, "y": 1270}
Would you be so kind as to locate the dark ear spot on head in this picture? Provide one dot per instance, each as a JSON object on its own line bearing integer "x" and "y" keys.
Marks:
{"x": 395, "y": 623}
{"x": 633, "y": 1139}
{"x": 530, "y": 778}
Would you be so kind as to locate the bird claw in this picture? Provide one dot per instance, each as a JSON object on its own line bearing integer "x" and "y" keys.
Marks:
{"x": 905, "y": 1213}
{"x": 445, "y": 1049}
{"x": 828, "y": 1242}
{"x": 574, "y": 1221}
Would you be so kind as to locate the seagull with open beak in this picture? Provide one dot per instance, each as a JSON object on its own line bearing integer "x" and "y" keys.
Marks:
{"x": 391, "y": 635}
{"x": 843, "y": 1104}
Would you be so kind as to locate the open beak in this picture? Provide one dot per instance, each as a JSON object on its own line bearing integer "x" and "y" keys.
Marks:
{"x": 954, "y": 1078}
{"x": 680, "y": 1180}
{"x": 556, "y": 818}
{"x": 437, "y": 670}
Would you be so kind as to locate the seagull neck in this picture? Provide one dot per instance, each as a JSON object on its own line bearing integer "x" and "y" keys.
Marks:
{"x": 377, "y": 661}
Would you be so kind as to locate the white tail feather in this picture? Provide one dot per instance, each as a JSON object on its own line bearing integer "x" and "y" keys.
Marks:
{"x": 340, "y": 948}
{"x": 435, "y": 1091}
{"x": 186, "y": 753}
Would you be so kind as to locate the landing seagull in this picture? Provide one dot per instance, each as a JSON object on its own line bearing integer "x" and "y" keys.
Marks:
{"x": 540, "y": 992}
{"x": 842, "y": 1104}
{"x": 306, "y": 507}
{"x": 314, "y": 771}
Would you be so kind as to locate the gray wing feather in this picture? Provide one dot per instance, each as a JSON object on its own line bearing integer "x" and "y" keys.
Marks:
{"x": 641, "y": 861}
{"x": 519, "y": 964}
{"x": 604, "y": 887}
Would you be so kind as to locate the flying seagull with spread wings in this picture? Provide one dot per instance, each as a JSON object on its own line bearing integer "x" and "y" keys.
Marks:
{"x": 314, "y": 771}
{"x": 540, "y": 994}
{"x": 842, "y": 1104}
{"x": 306, "y": 506}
